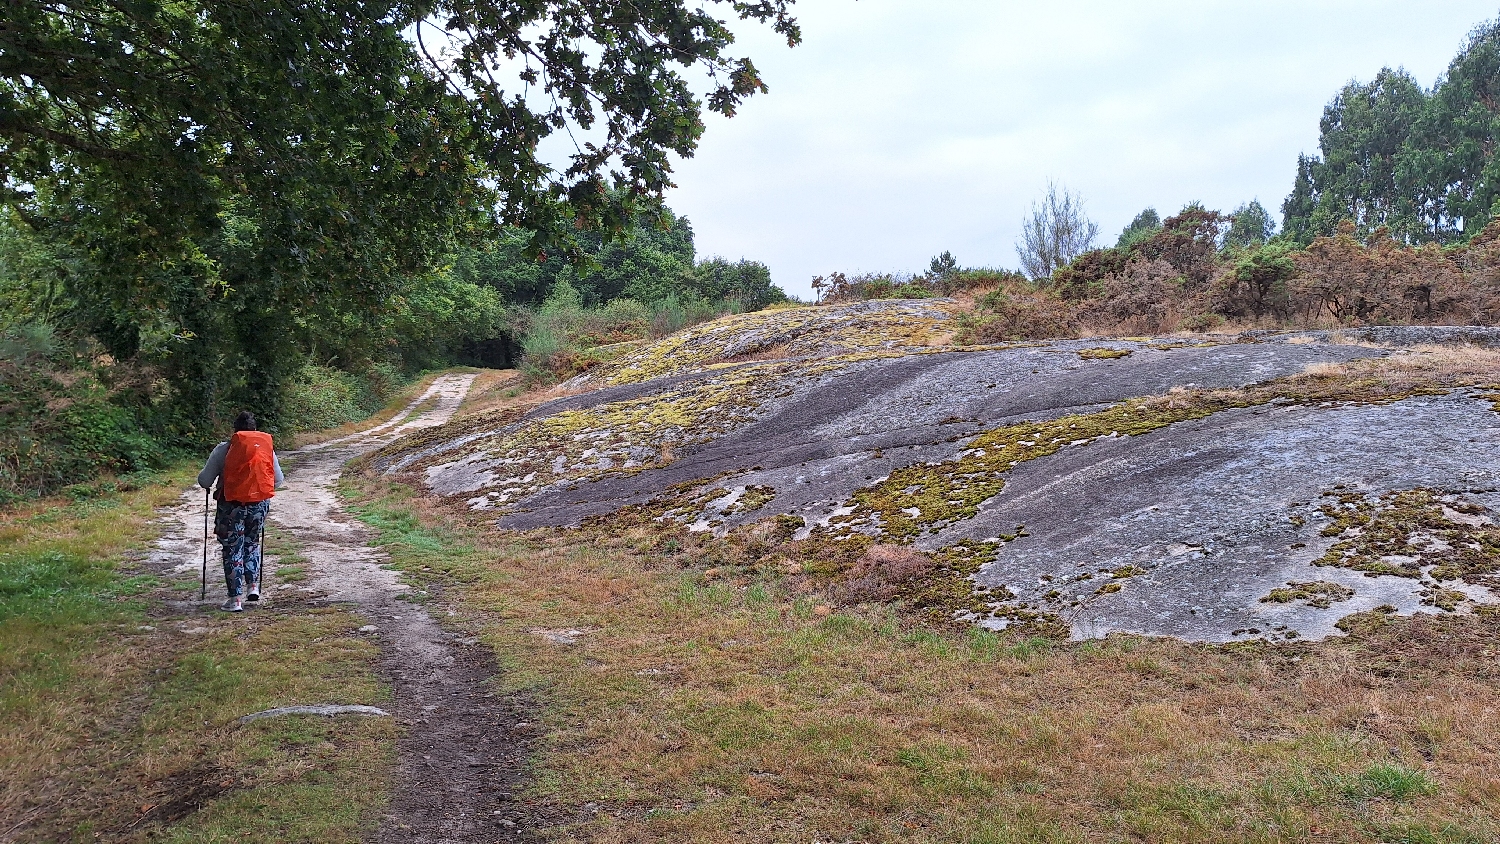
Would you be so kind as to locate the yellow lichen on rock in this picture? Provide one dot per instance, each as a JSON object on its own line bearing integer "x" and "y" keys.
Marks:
{"x": 571, "y": 446}
{"x": 806, "y": 333}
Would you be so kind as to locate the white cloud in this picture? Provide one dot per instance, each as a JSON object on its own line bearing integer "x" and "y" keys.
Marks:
{"x": 902, "y": 128}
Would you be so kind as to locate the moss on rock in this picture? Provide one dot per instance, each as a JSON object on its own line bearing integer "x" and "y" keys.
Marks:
{"x": 1417, "y": 533}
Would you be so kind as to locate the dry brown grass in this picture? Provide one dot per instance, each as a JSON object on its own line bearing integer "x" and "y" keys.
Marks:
{"x": 1412, "y": 370}
{"x": 1468, "y": 364}
{"x": 493, "y": 388}
{"x": 776, "y": 352}
{"x": 728, "y": 708}
{"x": 878, "y": 573}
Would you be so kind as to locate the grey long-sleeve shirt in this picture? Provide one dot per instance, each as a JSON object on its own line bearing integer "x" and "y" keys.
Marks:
{"x": 215, "y": 467}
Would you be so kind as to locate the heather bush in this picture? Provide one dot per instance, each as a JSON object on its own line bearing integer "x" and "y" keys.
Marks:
{"x": 1146, "y": 297}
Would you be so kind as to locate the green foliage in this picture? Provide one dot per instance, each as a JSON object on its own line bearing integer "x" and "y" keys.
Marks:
{"x": 1452, "y": 149}
{"x": 1187, "y": 243}
{"x": 209, "y": 196}
{"x": 943, "y": 265}
{"x": 1145, "y": 224}
{"x": 1259, "y": 282}
{"x": 566, "y": 336}
{"x": 1016, "y": 311}
{"x": 1250, "y": 225}
{"x": 745, "y": 282}
{"x": 432, "y": 322}
{"x": 58, "y": 427}
{"x": 1419, "y": 163}
{"x": 338, "y": 111}
{"x": 651, "y": 260}
{"x": 838, "y": 287}
{"x": 1084, "y": 277}
{"x": 321, "y": 397}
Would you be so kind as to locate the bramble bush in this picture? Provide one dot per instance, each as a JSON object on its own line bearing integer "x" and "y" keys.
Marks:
{"x": 58, "y": 425}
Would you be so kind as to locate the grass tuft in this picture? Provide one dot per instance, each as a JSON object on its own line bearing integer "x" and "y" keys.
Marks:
{"x": 1389, "y": 782}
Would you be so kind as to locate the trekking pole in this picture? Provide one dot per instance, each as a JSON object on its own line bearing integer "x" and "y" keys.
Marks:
{"x": 263, "y": 549}
{"x": 203, "y": 583}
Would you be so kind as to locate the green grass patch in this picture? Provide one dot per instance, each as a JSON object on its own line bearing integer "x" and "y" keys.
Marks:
{"x": 118, "y": 714}
{"x": 1389, "y": 782}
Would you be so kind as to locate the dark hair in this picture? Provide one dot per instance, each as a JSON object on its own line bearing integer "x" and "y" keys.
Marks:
{"x": 245, "y": 421}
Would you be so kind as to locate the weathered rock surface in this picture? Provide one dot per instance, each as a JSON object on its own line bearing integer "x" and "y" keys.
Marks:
{"x": 1216, "y": 513}
{"x": 1181, "y": 531}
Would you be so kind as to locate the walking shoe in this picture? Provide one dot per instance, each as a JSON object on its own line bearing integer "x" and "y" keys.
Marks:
{"x": 254, "y": 592}
{"x": 232, "y": 605}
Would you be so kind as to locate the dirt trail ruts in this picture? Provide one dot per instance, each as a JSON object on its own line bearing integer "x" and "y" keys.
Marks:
{"x": 464, "y": 747}
{"x": 460, "y": 754}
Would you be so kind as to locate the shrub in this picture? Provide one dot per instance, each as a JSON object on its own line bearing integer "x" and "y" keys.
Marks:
{"x": 1383, "y": 281}
{"x": 319, "y": 397}
{"x": 1144, "y": 298}
{"x": 1084, "y": 277}
{"x": 1017, "y": 312}
{"x": 58, "y": 424}
{"x": 1258, "y": 284}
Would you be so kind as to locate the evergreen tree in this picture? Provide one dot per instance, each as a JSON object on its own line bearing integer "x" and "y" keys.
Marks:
{"x": 943, "y": 265}
{"x": 1145, "y": 224}
{"x": 1453, "y": 150}
{"x": 1250, "y": 225}
{"x": 1420, "y": 164}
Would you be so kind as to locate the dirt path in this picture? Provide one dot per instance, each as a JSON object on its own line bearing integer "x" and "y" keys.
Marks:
{"x": 463, "y": 746}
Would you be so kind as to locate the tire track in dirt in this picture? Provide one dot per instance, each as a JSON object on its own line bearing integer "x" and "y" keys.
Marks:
{"x": 461, "y": 752}
{"x": 463, "y": 748}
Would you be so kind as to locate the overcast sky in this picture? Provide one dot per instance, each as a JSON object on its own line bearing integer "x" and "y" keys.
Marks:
{"x": 900, "y": 128}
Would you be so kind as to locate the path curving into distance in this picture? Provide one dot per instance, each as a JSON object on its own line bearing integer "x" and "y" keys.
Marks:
{"x": 458, "y": 757}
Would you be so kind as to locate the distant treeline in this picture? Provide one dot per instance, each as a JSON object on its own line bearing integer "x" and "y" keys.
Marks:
{"x": 1396, "y": 221}
{"x": 1420, "y": 163}
{"x": 87, "y": 387}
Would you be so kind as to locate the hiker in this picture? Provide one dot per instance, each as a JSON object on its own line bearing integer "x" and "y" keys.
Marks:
{"x": 247, "y": 472}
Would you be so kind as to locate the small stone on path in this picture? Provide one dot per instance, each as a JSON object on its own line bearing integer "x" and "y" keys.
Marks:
{"x": 325, "y": 709}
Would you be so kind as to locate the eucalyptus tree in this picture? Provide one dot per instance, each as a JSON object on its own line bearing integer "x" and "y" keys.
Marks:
{"x": 1420, "y": 163}
{"x": 1453, "y": 148}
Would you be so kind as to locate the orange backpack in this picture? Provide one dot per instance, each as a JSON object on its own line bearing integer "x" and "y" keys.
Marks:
{"x": 249, "y": 468}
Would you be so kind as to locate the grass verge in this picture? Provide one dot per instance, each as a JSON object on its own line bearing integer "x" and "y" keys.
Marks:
{"x": 695, "y": 694}
{"x": 119, "y": 694}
